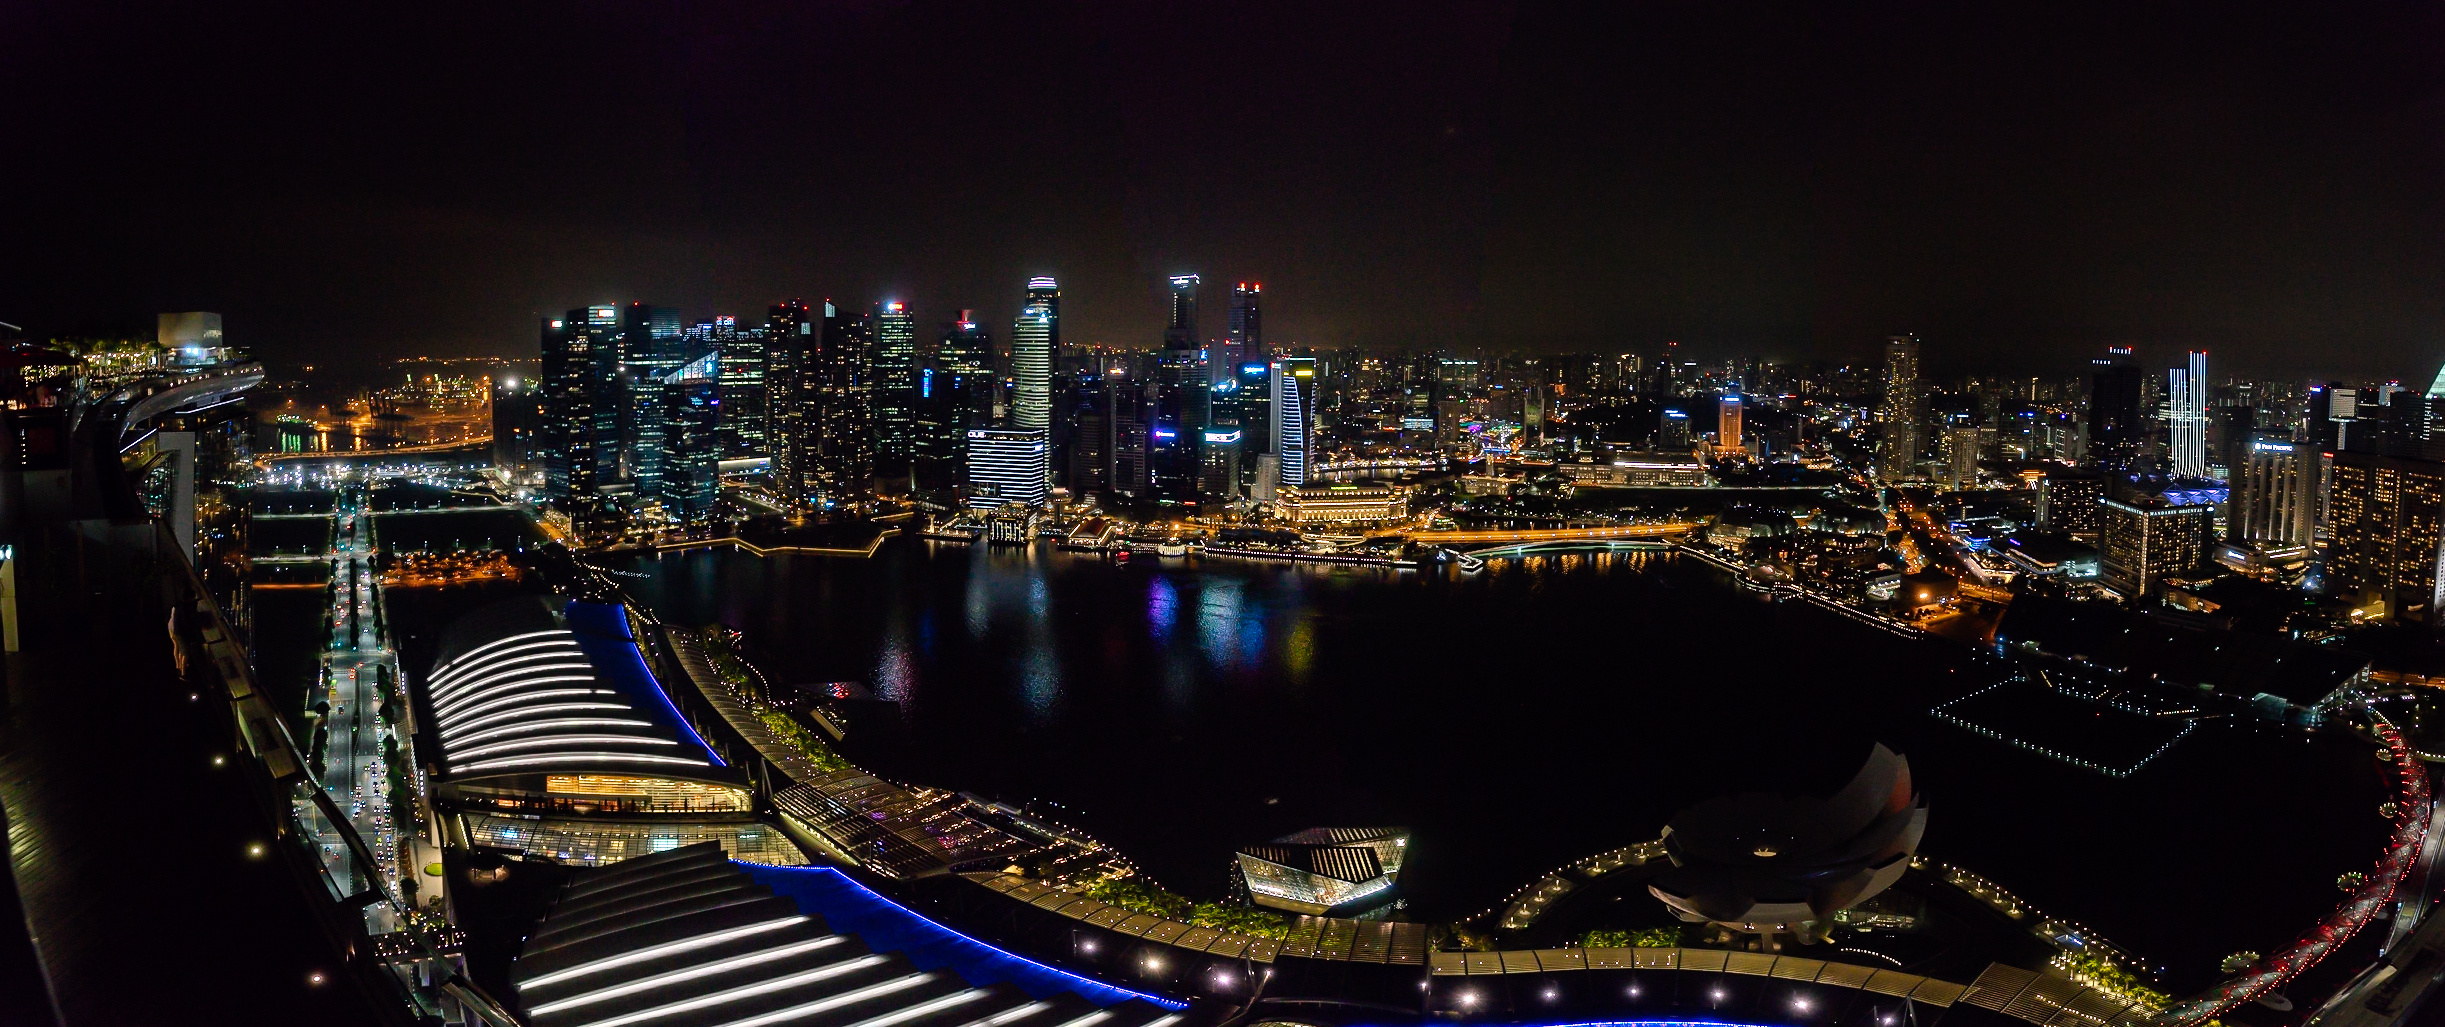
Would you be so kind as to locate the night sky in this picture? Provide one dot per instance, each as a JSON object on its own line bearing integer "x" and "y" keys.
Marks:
{"x": 2019, "y": 184}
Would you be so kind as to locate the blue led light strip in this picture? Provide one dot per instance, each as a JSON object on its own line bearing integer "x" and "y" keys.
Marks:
{"x": 847, "y": 888}
{"x": 631, "y": 659}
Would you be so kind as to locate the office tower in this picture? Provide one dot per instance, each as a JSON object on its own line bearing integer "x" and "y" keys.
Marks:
{"x": 2144, "y": 538}
{"x": 1898, "y": 449}
{"x": 1294, "y": 395}
{"x": 652, "y": 345}
{"x": 846, "y": 405}
{"x": 1961, "y": 454}
{"x": 1035, "y": 343}
{"x": 1457, "y": 377}
{"x": 2232, "y": 427}
{"x": 1180, "y": 387}
{"x": 1125, "y": 396}
{"x": 966, "y": 346}
{"x": 1006, "y": 465}
{"x": 1253, "y": 386}
{"x": 2384, "y": 518}
{"x": 793, "y": 391}
{"x": 2186, "y": 405}
{"x": 895, "y": 386}
{"x": 2275, "y": 494}
{"x": 1247, "y": 326}
{"x": 955, "y": 392}
{"x": 1089, "y": 459}
{"x": 946, "y": 409}
{"x": 2068, "y": 501}
{"x": 1673, "y": 431}
{"x": 1177, "y": 423}
{"x": 745, "y": 385}
{"x": 2115, "y": 429}
{"x": 1181, "y": 333}
{"x": 691, "y": 434}
{"x": 581, "y": 366}
{"x": 518, "y": 424}
{"x": 1727, "y": 426}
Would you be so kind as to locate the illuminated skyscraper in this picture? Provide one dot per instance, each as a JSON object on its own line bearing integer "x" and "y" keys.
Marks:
{"x": 690, "y": 430}
{"x": 1294, "y": 397}
{"x": 2143, "y": 539}
{"x": 1006, "y": 465}
{"x": 1961, "y": 454}
{"x": 845, "y": 405}
{"x": 581, "y": 435}
{"x": 793, "y": 399}
{"x": 2386, "y": 519}
{"x": 2186, "y": 389}
{"x": 1898, "y": 450}
{"x": 1035, "y": 344}
{"x": 652, "y": 345}
{"x": 1247, "y": 325}
{"x": 746, "y": 399}
{"x": 1181, "y": 387}
{"x": 2275, "y": 494}
{"x": 1727, "y": 425}
{"x": 1181, "y": 333}
{"x": 2114, "y": 424}
{"x": 955, "y": 391}
{"x": 895, "y": 386}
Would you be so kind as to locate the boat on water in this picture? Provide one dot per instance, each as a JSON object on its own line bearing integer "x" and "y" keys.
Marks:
{"x": 1172, "y": 550}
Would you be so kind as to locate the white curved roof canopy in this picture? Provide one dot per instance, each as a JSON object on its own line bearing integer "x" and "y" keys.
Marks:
{"x": 535, "y": 702}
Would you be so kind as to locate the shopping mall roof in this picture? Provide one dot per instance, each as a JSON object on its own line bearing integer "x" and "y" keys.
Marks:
{"x": 686, "y": 937}
{"x": 524, "y": 687}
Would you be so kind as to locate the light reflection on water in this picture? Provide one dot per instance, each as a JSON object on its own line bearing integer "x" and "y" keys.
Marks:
{"x": 1183, "y": 708}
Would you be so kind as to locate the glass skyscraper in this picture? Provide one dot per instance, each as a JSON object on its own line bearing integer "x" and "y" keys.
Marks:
{"x": 1294, "y": 398}
{"x": 895, "y": 386}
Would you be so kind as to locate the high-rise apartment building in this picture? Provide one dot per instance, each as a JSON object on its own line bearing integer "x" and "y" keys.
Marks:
{"x": 2275, "y": 494}
{"x": 2116, "y": 431}
{"x": 1899, "y": 415}
{"x": 2385, "y": 515}
{"x": 2144, "y": 539}
{"x": 2186, "y": 416}
{"x": 1961, "y": 443}
{"x": 895, "y": 386}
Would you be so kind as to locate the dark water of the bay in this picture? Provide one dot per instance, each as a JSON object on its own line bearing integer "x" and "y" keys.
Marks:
{"x": 1515, "y": 719}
